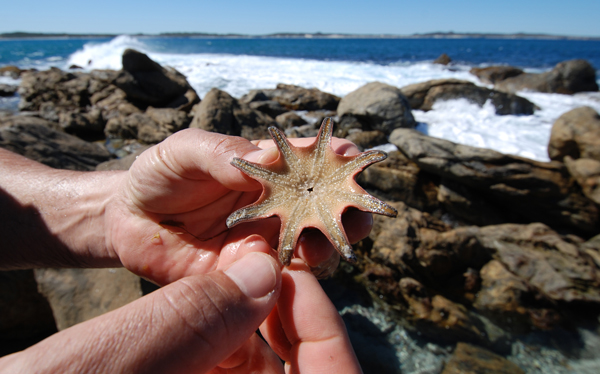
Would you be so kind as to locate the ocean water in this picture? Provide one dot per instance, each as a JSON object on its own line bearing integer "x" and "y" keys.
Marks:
{"x": 340, "y": 66}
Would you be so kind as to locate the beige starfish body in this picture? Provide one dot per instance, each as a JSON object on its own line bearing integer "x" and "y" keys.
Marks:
{"x": 310, "y": 187}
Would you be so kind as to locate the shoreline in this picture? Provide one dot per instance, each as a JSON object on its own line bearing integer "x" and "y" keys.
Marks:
{"x": 437, "y": 35}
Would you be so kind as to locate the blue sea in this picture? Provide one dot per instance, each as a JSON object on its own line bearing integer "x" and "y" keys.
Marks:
{"x": 339, "y": 66}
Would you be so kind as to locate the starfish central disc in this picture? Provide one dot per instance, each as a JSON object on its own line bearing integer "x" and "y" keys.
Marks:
{"x": 310, "y": 187}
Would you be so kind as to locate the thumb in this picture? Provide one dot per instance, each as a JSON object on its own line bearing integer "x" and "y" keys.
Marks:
{"x": 191, "y": 325}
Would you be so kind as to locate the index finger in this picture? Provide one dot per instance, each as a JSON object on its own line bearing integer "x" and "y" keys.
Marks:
{"x": 306, "y": 330}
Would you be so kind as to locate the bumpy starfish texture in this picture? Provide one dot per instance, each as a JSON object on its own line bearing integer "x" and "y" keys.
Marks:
{"x": 310, "y": 187}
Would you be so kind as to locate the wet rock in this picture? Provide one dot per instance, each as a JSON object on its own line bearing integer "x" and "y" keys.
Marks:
{"x": 376, "y": 106}
{"x": 439, "y": 317}
{"x": 567, "y": 77}
{"x": 367, "y": 139}
{"x": 443, "y": 59}
{"x": 271, "y": 108}
{"x": 424, "y": 95}
{"x": 10, "y": 71}
{"x": 289, "y": 120}
{"x": 576, "y": 134}
{"x": 493, "y": 74}
{"x": 470, "y": 359}
{"x": 587, "y": 174}
{"x": 7, "y": 90}
{"x": 300, "y": 98}
{"x": 220, "y": 112}
{"x": 146, "y": 83}
{"x": 151, "y": 127}
{"x": 521, "y": 189}
{"x": 51, "y": 147}
{"x": 77, "y": 295}
{"x": 169, "y": 119}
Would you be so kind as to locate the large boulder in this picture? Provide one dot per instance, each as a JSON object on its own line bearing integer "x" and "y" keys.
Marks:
{"x": 293, "y": 97}
{"x": 376, "y": 106}
{"x": 567, "y": 77}
{"x": 220, "y": 112}
{"x": 586, "y": 172}
{"x": 54, "y": 148}
{"x": 576, "y": 134}
{"x": 423, "y": 95}
{"x": 493, "y": 74}
{"x": 146, "y": 83}
{"x": 519, "y": 188}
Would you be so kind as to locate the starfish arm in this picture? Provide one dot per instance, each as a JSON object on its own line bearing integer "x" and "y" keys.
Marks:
{"x": 256, "y": 171}
{"x": 368, "y": 203}
{"x": 335, "y": 233}
{"x": 359, "y": 162}
{"x": 322, "y": 145}
{"x": 251, "y": 213}
{"x": 289, "y": 232}
{"x": 286, "y": 149}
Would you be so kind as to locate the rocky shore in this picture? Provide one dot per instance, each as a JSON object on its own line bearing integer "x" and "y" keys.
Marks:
{"x": 489, "y": 252}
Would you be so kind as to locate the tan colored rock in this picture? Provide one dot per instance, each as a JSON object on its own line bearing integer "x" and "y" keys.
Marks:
{"x": 587, "y": 174}
{"x": 576, "y": 134}
{"x": 470, "y": 359}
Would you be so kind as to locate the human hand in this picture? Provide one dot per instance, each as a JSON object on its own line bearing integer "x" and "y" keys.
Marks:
{"x": 168, "y": 219}
{"x": 205, "y": 324}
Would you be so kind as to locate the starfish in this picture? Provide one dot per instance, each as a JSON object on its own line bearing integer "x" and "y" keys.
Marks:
{"x": 310, "y": 187}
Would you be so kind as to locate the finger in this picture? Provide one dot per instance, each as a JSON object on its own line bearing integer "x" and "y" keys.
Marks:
{"x": 313, "y": 328}
{"x": 188, "y": 326}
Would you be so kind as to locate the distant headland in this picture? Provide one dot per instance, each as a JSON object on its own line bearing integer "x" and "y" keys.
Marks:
{"x": 432, "y": 35}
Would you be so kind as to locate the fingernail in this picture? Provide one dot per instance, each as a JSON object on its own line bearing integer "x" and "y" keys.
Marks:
{"x": 254, "y": 274}
{"x": 263, "y": 156}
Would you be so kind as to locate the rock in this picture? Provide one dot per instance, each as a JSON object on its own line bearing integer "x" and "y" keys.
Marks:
{"x": 494, "y": 74}
{"x": 77, "y": 295}
{"x": 443, "y": 59}
{"x": 439, "y": 317}
{"x": 172, "y": 120}
{"x": 512, "y": 302}
{"x": 587, "y": 174}
{"x": 576, "y": 134}
{"x": 519, "y": 188}
{"x": 220, "y": 112}
{"x": 7, "y": 90}
{"x": 25, "y": 312}
{"x": 367, "y": 139}
{"x": 567, "y": 77}
{"x": 300, "y": 98}
{"x": 10, "y": 71}
{"x": 75, "y": 67}
{"x": 50, "y": 147}
{"x": 377, "y": 106}
{"x": 423, "y": 95}
{"x": 141, "y": 126}
{"x": 271, "y": 108}
{"x": 64, "y": 90}
{"x": 289, "y": 120}
{"x": 398, "y": 179}
{"x": 467, "y": 204}
{"x": 146, "y": 83}
{"x": 88, "y": 125}
{"x": 470, "y": 359}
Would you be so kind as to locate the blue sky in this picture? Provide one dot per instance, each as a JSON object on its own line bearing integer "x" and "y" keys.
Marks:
{"x": 573, "y": 17}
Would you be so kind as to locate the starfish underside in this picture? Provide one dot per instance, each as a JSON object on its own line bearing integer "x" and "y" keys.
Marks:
{"x": 310, "y": 187}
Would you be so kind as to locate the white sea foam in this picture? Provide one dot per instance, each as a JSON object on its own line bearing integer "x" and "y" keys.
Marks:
{"x": 456, "y": 120}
